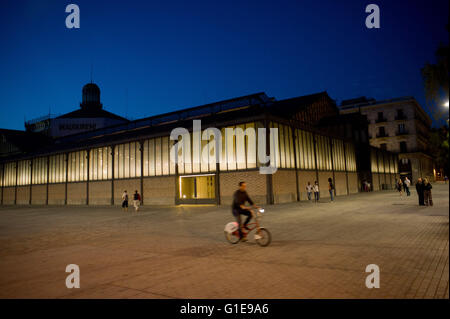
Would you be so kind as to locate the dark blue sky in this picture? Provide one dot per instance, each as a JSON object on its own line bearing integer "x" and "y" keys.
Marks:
{"x": 169, "y": 55}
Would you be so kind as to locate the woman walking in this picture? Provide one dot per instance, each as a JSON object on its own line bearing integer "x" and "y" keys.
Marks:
{"x": 331, "y": 188}
{"x": 400, "y": 186}
{"x": 427, "y": 192}
{"x": 316, "y": 191}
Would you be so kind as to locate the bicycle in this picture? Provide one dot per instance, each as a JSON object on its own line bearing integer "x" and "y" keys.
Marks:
{"x": 262, "y": 236}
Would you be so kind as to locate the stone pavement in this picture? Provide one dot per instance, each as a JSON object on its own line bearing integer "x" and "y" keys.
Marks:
{"x": 318, "y": 251}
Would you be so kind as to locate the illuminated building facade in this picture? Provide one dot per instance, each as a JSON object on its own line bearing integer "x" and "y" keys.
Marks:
{"x": 94, "y": 167}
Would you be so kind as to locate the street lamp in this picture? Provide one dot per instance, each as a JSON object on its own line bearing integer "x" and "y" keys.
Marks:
{"x": 446, "y": 104}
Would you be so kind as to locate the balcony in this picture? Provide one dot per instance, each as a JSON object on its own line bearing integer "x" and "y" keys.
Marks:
{"x": 399, "y": 133}
{"x": 401, "y": 117}
{"x": 381, "y": 120}
{"x": 382, "y": 135}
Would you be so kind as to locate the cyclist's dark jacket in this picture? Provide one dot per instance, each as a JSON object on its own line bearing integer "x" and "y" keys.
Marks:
{"x": 239, "y": 198}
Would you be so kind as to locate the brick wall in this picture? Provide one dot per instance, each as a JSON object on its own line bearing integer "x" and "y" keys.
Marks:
{"x": 8, "y": 195}
{"x": 76, "y": 193}
{"x": 56, "y": 194}
{"x": 38, "y": 194}
{"x": 340, "y": 183}
{"x": 393, "y": 180}
{"x": 323, "y": 183}
{"x": 100, "y": 193}
{"x": 375, "y": 182}
{"x": 23, "y": 195}
{"x": 256, "y": 186}
{"x": 159, "y": 190}
{"x": 353, "y": 183}
{"x": 130, "y": 185}
{"x": 284, "y": 187}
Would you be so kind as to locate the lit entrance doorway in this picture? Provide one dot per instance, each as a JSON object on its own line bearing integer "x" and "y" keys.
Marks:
{"x": 197, "y": 189}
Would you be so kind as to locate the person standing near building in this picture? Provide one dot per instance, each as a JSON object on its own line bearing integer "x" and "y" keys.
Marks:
{"x": 316, "y": 191}
{"x": 406, "y": 184}
{"x": 365, "y": 186}
{"x": 420, "y": 189}
{"x": 400, "y": 186}
{"x": 136, "y": 200}
{"x": 331, "y": 188}
{"x": 428, "y": 199}
{"x": 309, "y": 190}
{"x": 125, "y": 201}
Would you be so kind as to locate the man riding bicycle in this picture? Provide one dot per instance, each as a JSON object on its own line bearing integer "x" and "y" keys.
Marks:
{"x": 239, "y": 208}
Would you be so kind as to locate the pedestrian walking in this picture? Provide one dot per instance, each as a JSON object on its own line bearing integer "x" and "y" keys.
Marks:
{"x": 420, "y": 189}
{"x": 331, "y": 188}
{"x": 125, "y": 201}
{"x": 309, "y": 190}
{"x": 445, "y": 179}
{"x": 136, "y": 200}
{"x": 316, "y": 191}
{"x": 368, "y": 187}
{"x": 400, "y": 186}
{"x": 428, "y": 199}
{"x": 406, "y": 184}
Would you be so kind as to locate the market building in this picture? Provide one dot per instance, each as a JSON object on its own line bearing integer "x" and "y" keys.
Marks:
{"x": 94, "y": 166}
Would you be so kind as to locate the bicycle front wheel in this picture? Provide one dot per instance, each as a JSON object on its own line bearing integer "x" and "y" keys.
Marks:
{"x": 265, "y": 237}
{"x": 232, "y": 238}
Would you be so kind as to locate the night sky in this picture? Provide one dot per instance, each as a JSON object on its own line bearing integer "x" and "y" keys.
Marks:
{"x": 154, "y": 57}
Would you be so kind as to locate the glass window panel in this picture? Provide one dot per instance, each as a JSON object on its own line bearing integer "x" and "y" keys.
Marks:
{"x": 223, "y": 155}
{"x": 116, "y": 162}
{"x": 126, "y": 161}
{"x": 180, "y": 158}
{"x": 196, "y": 151}
{"x": 132, "y": 159}
{"x": 165, "y": 155}
{"x": 251, "y": 145}
{"x": 204, "y": 156}
{"x": 158, "y": 153}
{"x": 151, "y": 152}
{"x": 171, "y": 160}
{"x": 138, "y": 159}
{"x": 230, "y": 148}
{"x": 240, "y": 147}
{"x": 121, "y": 161}
{"x": 187, "y": 145}
{"x": 146, "y": 166}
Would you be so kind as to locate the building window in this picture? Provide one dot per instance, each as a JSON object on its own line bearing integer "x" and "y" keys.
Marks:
{"x": 127, "y": 159}
{"x": 39, "y": 173}
{"x": 24, "y": 173}
{"x": 400, "y": 115}
{"x": 100, "y": 163}
{"x": 401, "y": 129}
{"x": 381, "y": 131}
{"x": 57, "y": 167}
{"x": 403, "y": 148}
{"x": 383, "y": 146}
{"x": 380, "y": 117}
{"x": 77, "y": 163}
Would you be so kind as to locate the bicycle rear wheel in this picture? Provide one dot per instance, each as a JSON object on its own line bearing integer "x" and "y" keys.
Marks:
{"x": 232, "y": 238}
{"x": 265, "y": 239}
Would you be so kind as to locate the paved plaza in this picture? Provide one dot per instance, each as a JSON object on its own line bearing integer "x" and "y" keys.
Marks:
{"x": 318, "y": 250}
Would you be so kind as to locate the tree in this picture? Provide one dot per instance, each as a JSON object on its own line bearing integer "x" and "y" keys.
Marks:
{"x": 439, "y": 147}
{"x": 435, "y": 78}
